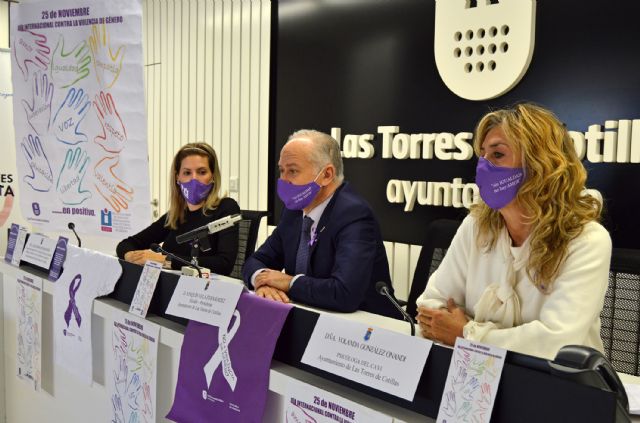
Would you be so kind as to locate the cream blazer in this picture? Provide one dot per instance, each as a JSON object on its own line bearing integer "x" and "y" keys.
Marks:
{"x": 507, "y": 310}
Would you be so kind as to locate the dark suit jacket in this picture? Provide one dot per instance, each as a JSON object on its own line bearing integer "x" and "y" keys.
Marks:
{"x": 346, "y": 261}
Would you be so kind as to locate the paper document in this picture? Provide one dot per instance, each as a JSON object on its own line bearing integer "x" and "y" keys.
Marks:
{"x": 633, "y": 393}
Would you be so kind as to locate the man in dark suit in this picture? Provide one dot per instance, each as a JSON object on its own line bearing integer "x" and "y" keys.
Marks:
{"x": 328, "y": 241}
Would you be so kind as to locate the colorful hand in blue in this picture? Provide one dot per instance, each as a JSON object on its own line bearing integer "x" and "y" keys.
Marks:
{"x": 70, "y": 114}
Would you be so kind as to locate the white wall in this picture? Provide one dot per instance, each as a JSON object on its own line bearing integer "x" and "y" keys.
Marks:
{"x": 207, "y": 79}
{"x": 4, "y": 24}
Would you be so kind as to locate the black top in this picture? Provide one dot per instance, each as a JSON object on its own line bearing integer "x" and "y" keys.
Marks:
{"x": 224, "y": 244}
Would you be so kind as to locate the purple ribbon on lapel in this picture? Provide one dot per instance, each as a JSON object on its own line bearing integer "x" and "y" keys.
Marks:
{"x": 73, "y": 308}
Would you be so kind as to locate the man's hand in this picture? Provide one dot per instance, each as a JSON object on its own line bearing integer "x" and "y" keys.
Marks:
{"x": 272, "y": 294}
{"x": 442, "y": 325}
{"x": 141, "y": 256}
{"x": 274, "y": 279}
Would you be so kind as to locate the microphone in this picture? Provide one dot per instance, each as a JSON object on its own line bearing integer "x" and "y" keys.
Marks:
{"x": 383, "y": 289}
{"x": 211, "y": 228}
{"x": 72, "y": 226}
{"x": 156, "y": 248}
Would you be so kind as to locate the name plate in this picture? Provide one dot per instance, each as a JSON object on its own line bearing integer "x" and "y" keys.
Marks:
{"x": 210, "y": 301}
{"x": 382, "y": 359}
{"x": 18, "y": 247}
{"x": 39, "y": 250}
{"x": 146, "y": 286}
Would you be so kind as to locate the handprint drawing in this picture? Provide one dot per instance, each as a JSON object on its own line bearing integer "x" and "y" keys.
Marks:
{"x": 450, "y": 406}
{"x": 118, "y": 412}
{"x": 30, "y": 50}
{"x": 69, "y": 67}
{"x": 147, "y": 407}
{"x": 41, "y": 178}
{"x": 70, "y": 114}
{"x": 114, "y": 134}
{"x": 72, "y": 173}
{"x": 38, "y": 111}
{"x": 113, "y": 189}
{"x": 106, "y": 64}
{"x": 133, "y": 391}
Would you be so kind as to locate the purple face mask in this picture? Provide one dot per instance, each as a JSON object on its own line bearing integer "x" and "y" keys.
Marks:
{"x": 498, "y": 185}
{"x": 195, "y": 191}
{"x": 297, "y": 197}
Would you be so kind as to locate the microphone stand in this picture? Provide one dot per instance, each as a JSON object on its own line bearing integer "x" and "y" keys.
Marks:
{"x": 383, "y": 289}
{"x": 158, "y": 249}
{"x": 195, "y": 250}
{"x": 72, "y": 226}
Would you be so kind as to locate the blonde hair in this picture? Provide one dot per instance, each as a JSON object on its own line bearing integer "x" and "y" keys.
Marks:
{"x": 177, "y": 203}
{"x": 552, "y": 194}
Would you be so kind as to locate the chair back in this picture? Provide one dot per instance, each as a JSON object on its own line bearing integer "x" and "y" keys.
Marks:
{"x": 247, "y": 236}
{"x": 438, "y": 236}
{"x": 620, "y": 330}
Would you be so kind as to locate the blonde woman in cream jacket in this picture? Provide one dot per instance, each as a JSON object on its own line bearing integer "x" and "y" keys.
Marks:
{"x": 528, "y": 268}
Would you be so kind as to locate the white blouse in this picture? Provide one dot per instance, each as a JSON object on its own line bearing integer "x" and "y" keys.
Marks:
{"x": 507, "y": 310}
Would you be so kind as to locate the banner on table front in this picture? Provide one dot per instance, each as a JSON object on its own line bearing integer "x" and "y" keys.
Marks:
{"x": 87, "y": 275}
{"x": 224, "y": 372}
{"x": 79, "y": 115}
{"x": 131, "y": 379}
{"x": 29, "y": 328}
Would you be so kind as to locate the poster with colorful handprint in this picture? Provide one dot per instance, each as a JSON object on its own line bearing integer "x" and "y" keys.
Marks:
{"x": 79, "y": 115}
{"x": 29, "y": 329}
{"x": 131, "y": 376}
{"x": 472, "y": 382}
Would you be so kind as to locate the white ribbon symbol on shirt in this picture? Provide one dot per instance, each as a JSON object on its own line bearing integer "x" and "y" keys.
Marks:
{"x": 221, "y": 355}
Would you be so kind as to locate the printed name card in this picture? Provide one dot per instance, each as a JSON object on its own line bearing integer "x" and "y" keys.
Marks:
{"x": 39, "y": 250}
{"x": 472, "y": 382}
{"x": 11, "y": 243}
{"x": 306, "y": 403}
{"x": 18, "y": 246}
{"x": 145, "y": 288}
{"x": 58, "y": 258}
{"x": 382, "y": 359}
{"x": 210, "y": 301}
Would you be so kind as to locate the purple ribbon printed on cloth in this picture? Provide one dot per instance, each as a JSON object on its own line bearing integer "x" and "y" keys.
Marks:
{"x": 73, "y": 308}
{"x": 224, "y": 374}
